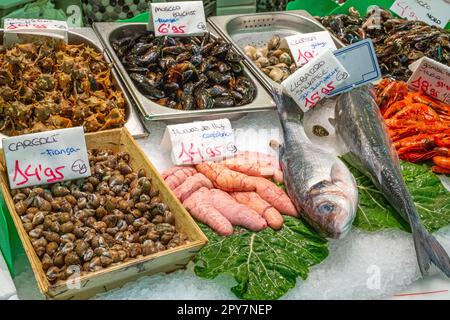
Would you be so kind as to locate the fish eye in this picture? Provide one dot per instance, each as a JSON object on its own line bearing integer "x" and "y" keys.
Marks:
{"x": 326, "y": 208}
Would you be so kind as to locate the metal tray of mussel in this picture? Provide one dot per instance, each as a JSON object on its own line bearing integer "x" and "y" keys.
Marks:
{"x": 174, "y": 79}
{"x": 258, "y": 37}
{"x": 54, "y": 107}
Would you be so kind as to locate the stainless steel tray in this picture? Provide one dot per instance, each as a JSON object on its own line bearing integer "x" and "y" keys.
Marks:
{"x": 88, "y": 36}
{"x": 257, "y": 29}
{"x": 152, "y": 111}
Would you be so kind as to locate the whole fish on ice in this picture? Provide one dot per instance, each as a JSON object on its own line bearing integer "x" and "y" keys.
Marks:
{"x": 318, "y": 183}
{"x": 360, "y": 126}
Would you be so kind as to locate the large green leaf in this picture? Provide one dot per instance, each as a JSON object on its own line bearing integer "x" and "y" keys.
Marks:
{"x": 264, "y": 264}
{"x": 430, "y": 196}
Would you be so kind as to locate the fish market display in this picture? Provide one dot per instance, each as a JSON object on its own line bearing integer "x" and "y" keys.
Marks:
{"x": 319, "y": 184}
{"x": 90, "y": 224}
{"x": 186, "y": 73}
{"x": 418, "y": 125}
{"x": 50, "y": 85}
{"x": 398, "y": 42}
{"x": 212, "y": 192}
{"x": 360, "y": 127}
{"x": 275, "y": 62}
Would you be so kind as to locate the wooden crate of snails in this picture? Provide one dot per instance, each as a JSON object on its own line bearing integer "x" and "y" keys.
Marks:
{"x": 90, "y": 235}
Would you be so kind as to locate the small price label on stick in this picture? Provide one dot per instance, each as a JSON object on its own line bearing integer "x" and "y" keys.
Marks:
{"x": 46, "y": 157}
{"x": 201, "y": 141}
{"x": 431, "y": 77}
{"x": 433, "y": 12}
{"x": 33, "y": 27}
{"x": 315, "y": 80}
{"x": 185, "y": 18}
{"x": 305, "y": 47}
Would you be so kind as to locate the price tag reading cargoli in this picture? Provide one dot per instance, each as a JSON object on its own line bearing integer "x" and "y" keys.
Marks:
{"x": 196, "y": 142}
{"x": 185, "y": 18}
{"x": 434, "y": 12}
{"x": 305, "y": 47}
{"x": 315, "y": 80}
{"x": 33, "y": 28}
{"x": 431, "y": 77}
{"x": 46, "y": 157}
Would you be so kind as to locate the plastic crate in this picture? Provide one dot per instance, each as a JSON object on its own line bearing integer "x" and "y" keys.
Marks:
{"x": 8, "y": 6}
{"x": 234, "y": 3}
{"x": 224, "y": 11}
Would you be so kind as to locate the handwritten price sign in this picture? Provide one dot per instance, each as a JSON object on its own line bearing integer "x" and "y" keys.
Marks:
{"x": 178, "y": 18}
{"x": 317, "y": 79}
{"x": 46, "y": 157}
{"x": 434, "y": 12}
{"x": 200, "y": 141}
{"x": 305, "y": 47}
{"x": 431, "y": 77}
{"x": 33, "y": 27}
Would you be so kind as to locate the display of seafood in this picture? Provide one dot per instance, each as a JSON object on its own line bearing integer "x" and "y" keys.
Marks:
{"x": 186, "y": 73}
{"x": 418, "y": 125}
{"x": 234, "y": 192}
{"x": 52, "y": 85}
{"x": 275, "y": 61}
{"x": 360, "y": 126}
{"x": 320, "y": 185}
{"x": 398, "y": 42}
{"x": 86, "y": 225}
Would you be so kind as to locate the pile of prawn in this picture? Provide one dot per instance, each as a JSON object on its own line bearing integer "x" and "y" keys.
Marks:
{"x": 235, "y": 192}
{"x": 418, "y": 124}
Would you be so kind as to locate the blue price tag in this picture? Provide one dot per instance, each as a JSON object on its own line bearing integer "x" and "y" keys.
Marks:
{"x": 360, "y": 61}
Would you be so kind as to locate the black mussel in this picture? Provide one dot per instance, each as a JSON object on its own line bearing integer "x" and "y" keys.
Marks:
{"x": 174, "y": 49}
{"x": 208, "y": 64}
{"x": 171, "y": 86}
{"x": 220, "y": 48}
{"x": 223, "y": 66}
{"x": 187, "y": 75}
{"x": 184, "y": 56}
{"x": 237, "y": 95}
{"x": 218, "y": 77}
{"x": 140, "y": 48}
{"x": 149, "y": 57}
{"x": 169, "y": 41}
{"x": 224, "y": 102}
{"x": 167, "y": 62}
{"x": 136, "y": 69}
{"x": 236, "y": 68}
{"x": 217, "y": 91}
{"x": 203, "y": 99}
{"x": 247, "y": 88}
{"x": 206, "y": 39}
{"x": 233, "y": 57}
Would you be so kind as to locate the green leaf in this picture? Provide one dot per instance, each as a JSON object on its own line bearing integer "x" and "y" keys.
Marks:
{"x": 430, "y": 196}
{"x": 265, "y": 264}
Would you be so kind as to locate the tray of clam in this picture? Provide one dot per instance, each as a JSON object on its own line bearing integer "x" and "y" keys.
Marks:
{"x": 258, "y": 38}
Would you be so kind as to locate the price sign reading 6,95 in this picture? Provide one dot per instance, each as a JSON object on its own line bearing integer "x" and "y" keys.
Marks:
{"x": 46, "y": 157}
{"x": 177, "y": 18}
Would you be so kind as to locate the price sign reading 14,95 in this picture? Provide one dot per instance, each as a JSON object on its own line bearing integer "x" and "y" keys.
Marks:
{"x": 46, "y": 157}
{"x": 178, "y": 18}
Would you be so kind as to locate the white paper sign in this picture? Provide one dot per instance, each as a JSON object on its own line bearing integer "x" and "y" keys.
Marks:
{"x": 46, "y": 157}
{"x": 177, "y": 18}
{"x": 200, "y": 141}
{"x": 37, "y": 27}
{"x": 433, "y": 12}
{"x": 315, "y": 80}
{"x": 304, "y": 47}
{"x": 431, "y": 77}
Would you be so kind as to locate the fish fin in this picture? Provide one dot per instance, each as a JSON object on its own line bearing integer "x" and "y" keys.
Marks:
{"x": 428, "y": 251}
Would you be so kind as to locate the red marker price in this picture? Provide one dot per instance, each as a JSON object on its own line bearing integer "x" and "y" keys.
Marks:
{"x": 23, "y": 173}
{"x": 315, "y": 97}
{"x": 164, "y": 29}
{"x": 190, "y": 150}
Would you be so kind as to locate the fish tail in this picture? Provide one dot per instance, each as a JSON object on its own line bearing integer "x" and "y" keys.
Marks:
{"x": 429, "y": 250}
